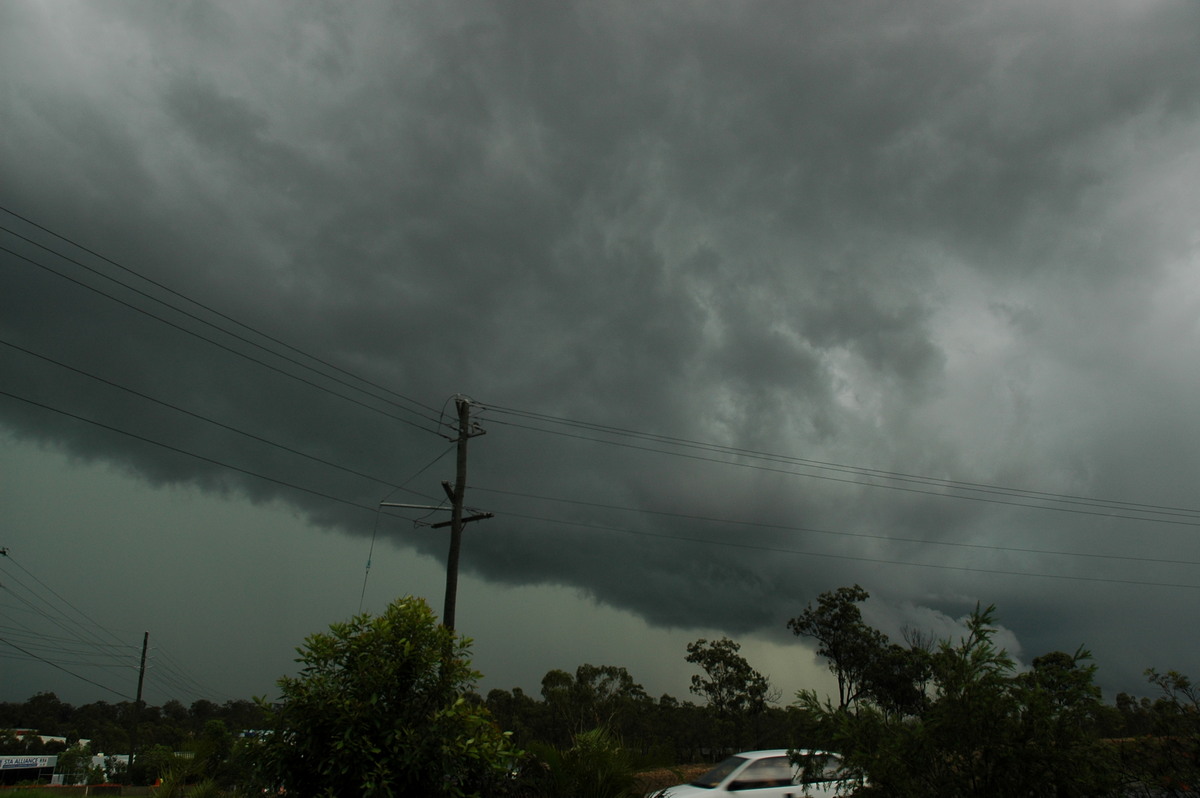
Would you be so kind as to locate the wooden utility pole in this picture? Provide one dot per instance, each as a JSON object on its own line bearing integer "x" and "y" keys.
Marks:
{"x": 137, "y": 705}
{"x": 456, "y": 493}
{"x": 456, "y": 511}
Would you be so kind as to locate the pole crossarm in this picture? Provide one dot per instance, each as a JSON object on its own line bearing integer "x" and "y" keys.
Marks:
{"x": 455, "y": 492}
{"x": 467, "y": 520}
{"x": 413, "y": 506}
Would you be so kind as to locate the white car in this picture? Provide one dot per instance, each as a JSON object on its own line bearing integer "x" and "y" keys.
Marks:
{"x": 767, "y": 774}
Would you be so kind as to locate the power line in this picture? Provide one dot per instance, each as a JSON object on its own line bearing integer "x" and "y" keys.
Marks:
{"x": 67, "y": 644}
{"x": 172, "y": 673}
{"x": 163, "y": 670}
{"x": 208, "y": 308}
{"x": 195, "y": 415}
{"x": 1104, "y": 508}
{"x": 75, "y": 629}
{"x": 378, "y": 511}
{"x": 852, "y": 557}
{"x": 65, "y": 670}
{"x": 176, "y": 449}
{"x": 227, "y": 348}
{"x": 771, "y": 456}
{"x": 59, "y": 661}
{"x": 52, "y": 649}
{"x": 726, "y": 543}
{"x": 860, "y": 470}
{"x": 92, "y": 623}
{"x": 52, "y": 615}
{"x": 644, "y": 441}
{"x": 1191, "y": 516}
{"x": 841, "y": 534}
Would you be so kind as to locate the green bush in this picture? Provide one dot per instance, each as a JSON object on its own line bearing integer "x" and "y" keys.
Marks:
{"x": 380, "y": 708}
{"x": 595, "y": 766}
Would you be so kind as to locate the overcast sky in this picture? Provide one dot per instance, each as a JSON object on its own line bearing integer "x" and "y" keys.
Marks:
{"x": 753, "y": 300}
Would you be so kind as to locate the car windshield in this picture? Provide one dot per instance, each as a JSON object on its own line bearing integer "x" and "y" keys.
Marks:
{"x": 718, "y": 774}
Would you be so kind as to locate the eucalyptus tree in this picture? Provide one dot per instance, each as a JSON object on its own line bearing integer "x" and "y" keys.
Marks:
{"x": 736, "y": 692}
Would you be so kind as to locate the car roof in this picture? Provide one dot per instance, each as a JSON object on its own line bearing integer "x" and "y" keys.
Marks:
{"x": 781, "y": 752}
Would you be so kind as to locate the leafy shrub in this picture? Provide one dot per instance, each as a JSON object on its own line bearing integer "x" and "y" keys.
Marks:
{"x": 380, "y": 708}
{"x": 595, "y": 766}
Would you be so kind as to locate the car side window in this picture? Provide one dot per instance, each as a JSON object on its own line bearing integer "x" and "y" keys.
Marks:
{"x": 775, "y": 771}
{"x": 820, "y": 768}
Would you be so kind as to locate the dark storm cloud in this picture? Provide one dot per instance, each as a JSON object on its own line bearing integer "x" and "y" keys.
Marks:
{"x": 922, "y": 239}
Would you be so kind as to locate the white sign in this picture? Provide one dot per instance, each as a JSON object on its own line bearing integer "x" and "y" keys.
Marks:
{"x": 22, "y": 762}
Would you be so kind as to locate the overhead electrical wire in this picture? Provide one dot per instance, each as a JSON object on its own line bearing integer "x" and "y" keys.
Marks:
{"x": 178, "y": 450}
{"x": 164, "y": 671}
{"x": 688, "y": 517}
{"x": 86, "y": 636}
{"x": 248, "y": 472}
{"x": 379, "y": 511}
{"x": 841, "y": 534}
{"x": 57, "y": 660}
{"x": 1106, "y": 508}
{"x": 76, "y": 623}
{"x": 198, "y": 416}
{"x": 853, "y": 557}
{"x": 858, "y": 470}
{"x": 60, "y": 648}
{"x": 1190, "y": 516}
{"x": 209, "y": 420}
{"x": 69, "y": 645}
{"x": 205, "y": 307}
{"x": 48, "y": 612}
{"x": 227, "y": 348}
{"x": 327, "y": 496}
{"x": 684, "y": 442}
{"x": 619, "y": 437}
{"x": 1102, "y": 507}
{"x": 67, "y": 670}
{"x": 64, "y": 644}
{"x": 82, "y": 637}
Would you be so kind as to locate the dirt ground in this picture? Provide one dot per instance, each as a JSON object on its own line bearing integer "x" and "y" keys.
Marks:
{"x": 665, "y": 777}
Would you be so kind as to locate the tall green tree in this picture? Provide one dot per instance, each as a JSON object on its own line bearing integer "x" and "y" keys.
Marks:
{"x": 518, "y": 713}
{"x": 867, "y": 665}
{"x": 851, "y": 647}
{"x": 380, "y": 708}
{"x": 736, "y": 693}
{"x": 595, "y": 696}
{"x": 729, "y": 684}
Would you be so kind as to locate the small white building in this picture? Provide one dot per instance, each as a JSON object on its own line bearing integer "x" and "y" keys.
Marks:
{"x": 16, "y": 769}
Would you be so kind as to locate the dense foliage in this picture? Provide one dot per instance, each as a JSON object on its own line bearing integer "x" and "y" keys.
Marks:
{"x": 595, "y": 765}
{"x": 380, "y": 707}
{"x": 201, "y": 732}
{"x": 109, "y": 726}
{"x": 383, "y": 705}
{"x": 663, "y": 731}
{"x": 961, "y": 719}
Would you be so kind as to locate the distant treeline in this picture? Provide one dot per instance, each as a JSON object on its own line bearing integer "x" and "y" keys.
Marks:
{"x": 661, "y": 730}
{"x": 924, "y": 717}
{"x": 670, "y": 731}
{"x": 109, "y": 727}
